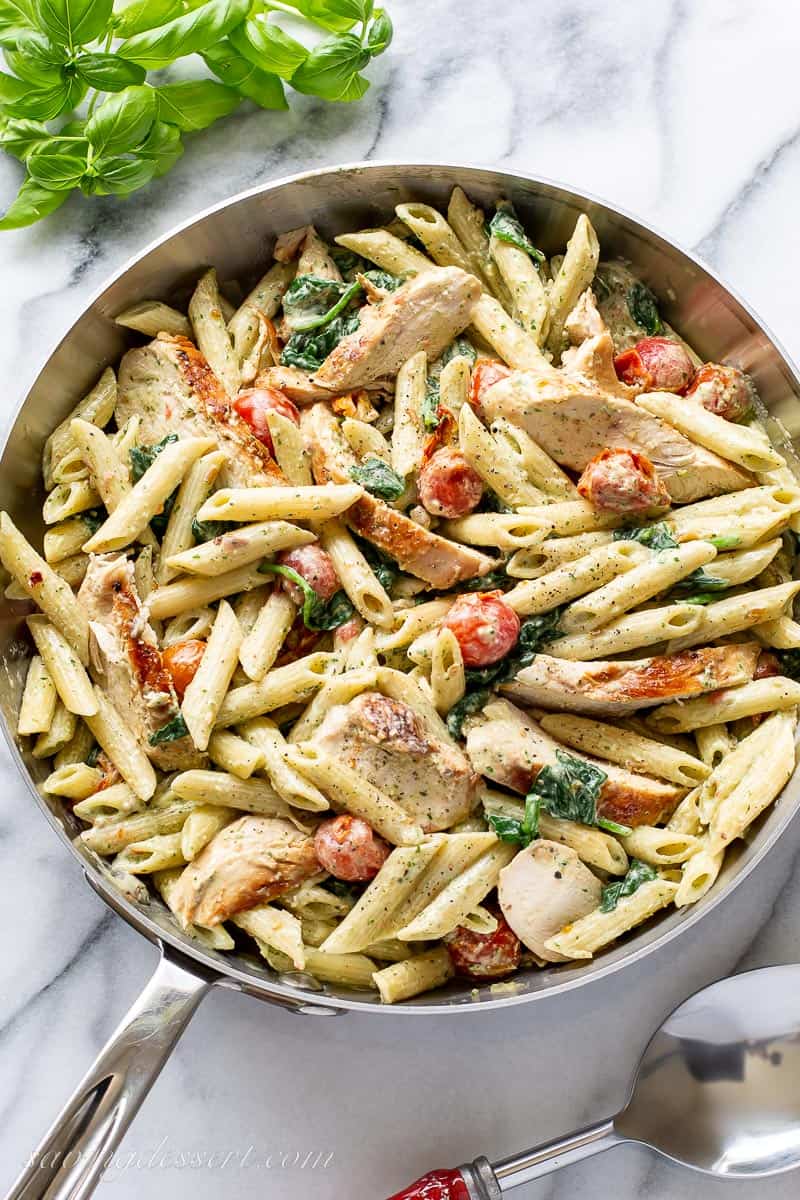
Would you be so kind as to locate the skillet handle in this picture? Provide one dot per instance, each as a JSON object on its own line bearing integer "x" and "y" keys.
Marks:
{"x": 70, "y": 1160}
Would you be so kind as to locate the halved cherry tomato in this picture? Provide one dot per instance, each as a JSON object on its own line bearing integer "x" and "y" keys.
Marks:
{"x": 448, "y": 486}
{"x": 349, "y": 848}
{"x": 485, "y": 374}
{"x": 484, "y": 955}
{"x": 486, "y": 628}
{"x": 253, "y": 404}
{"x": 316, "y": 567}
{"x": 656, "y": 364}
{"x": 725, "y": 391}
{"x": 182, "y": 660}
{"x": 622, "y": 481}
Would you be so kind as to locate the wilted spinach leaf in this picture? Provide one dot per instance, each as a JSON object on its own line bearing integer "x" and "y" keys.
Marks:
{"x": 318, "y": 614}
{"x": 378, "y": 478}
{"x": 655, "y": 537}
{"x": 570, "y": 789}
{"x": 637, "y": 874}
{"x": 384, "y": 568}
{"x": 171, "y": 732}
{"x": 311, "y": 302}
{"x": 206, "y": 531}
{"x": 143, "y": 457}
{"x": 429, "y": 410}
{"x": 512, "y": 829}
{"x": 309, "y": 350}
{"x": 93, "y": 518}
{"x": 643, "y": 307}
{"x": 505, "y": 226}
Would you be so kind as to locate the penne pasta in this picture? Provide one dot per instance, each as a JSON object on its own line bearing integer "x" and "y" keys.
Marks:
{"x": 280, "y": 503}
{"x": 642, "y": 755}
{"x": 211, "y": 331}
{"x": 39, "y": 699}
{"x": 729, "y": 704}
{"x": 204, "y": 695}
{"x": 239, "y": 547}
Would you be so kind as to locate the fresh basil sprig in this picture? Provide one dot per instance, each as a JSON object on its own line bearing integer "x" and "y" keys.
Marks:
{"x": 60, "y": 53}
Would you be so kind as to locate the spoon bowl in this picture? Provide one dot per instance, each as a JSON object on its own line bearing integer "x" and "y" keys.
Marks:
{"x": 717, "y": 1090}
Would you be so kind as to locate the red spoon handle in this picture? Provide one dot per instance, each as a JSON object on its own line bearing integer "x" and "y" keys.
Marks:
{"x": 436, "y": 1185}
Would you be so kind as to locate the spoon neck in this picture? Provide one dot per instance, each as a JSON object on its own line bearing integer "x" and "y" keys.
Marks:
{"x": 550, "y": 1156}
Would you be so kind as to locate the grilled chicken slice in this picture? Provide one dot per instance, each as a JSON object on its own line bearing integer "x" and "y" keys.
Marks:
{"x": 424, "y": 314}
{"x": 387, "y": 743}
{"x": 582, "y": 409}
{"x": 544, "y": 888}
{"x": 171, "y": 387}
{"x": 125, "y": 658}
{"x": 250, "y": 861}
{"x": 616, "y": 688}
{"x": 294, "y": 383}
{"x": 435, "y": 559}
{"x": 510, "y": 748}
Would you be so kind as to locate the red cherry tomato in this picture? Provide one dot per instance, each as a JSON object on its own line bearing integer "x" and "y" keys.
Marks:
{"x": 485, "y": 374}
{"x": 656, "y": 364}
{"x": 448, "y": 486}
{"x": 436, "y": 1185}
{"x": 253, "y": 404}
{"x": 486, "y": 628}
{"x": 316, "y": 567}
{"x": 182, "y": 660}
{"x": 725, "y": 391}
{"x": 484, "y": 955}
{"x": 622, "y": 481}
{"x": 349, "y": 848}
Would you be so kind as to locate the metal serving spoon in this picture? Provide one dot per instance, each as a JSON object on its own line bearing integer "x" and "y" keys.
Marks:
{"x": 717, "y": 1089}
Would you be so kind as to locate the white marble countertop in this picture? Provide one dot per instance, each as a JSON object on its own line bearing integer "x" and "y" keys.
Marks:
{"x": 682, "y": 113}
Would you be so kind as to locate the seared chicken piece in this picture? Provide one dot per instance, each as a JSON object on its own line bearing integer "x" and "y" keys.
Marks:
{"x": 294, "y": 383}
{"x": 510, "y": 749}
{"x": 435, "y": 559}
{"x": 125, "y": 658}
{"x": 250, "y": 861}
{"x": 544, "y": 888}
{"x": 388, "y": 744}
{"x": 583, "y": 322}
{"x": 616, "y": 688}
{"x": 582, "y": 409}
{"x": 424, "y": 314}
{"x": 171, "y": 387}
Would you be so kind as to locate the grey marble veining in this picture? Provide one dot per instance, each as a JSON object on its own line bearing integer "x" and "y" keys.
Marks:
{"x": 684, "y": 113}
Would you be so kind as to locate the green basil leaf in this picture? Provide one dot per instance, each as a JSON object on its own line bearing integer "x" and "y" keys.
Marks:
{"x": 140, "y": 15}
{"x": 262, "y": 87}
{"x": 31, "y": 204}
{"x": 21, "y": 137}
{"x": 643, "y": 307}
{"x": 309, "y": 350}
{"x": 108, "y": 72}
{"x": 324, "y": 13}
{"x": 195, "y": 105}
{"x": 117, "y": 175}
{"x": 268, "y": 47}
{"x": 46, "y": 103}
{"x": 331, "y": 70}
{"x": 380, "y": 33}
{"x": 74, "y": 22}
{"x": 311, "y": 302}
{"x": 16, "y": 20}
{"x": 656, "y": 537}
{"x": 353, "y": 10}
{"x": 123, "y": 121}
{"x": 59, "y": 164}
{"x": 37, "y": 60}
{"x": 143, "y": 457}
{"x": 173, "y": 731}
{"x": 11, "y": 89}
{"x": 163, "y": 146}
{"x": 505, "y": 226}
{"x": 637, "y": 874}
{"x": 378, "y": 478}
{"x": 191, "y": 33}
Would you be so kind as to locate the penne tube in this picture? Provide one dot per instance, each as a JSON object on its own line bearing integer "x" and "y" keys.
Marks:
{"x": 219, "y": 788}
{"x": 454, "y": 383}
{"x": 410, "y": 623}
{"x": 431, "y": 228}
{"x": 762, "y": 781}
{"x": 265, "y": 299}
{"x": 402, "y": 980}
{"x": 638, "y": 629}
{"x": 109, "y": 805}
{"x": 64, "y": 667}
{"x": 526, "y": 288}
{"x": 448, "y": 681}
{"x": 201, "y": 825}
{"x": 69, "y": 499}
{"x": 193, "y": 491}
{"x": 743, "y": 565}
{"x": 747, "y": 446}
{"x": 728, "y": 704}
{"x": 77, "y": 749}
{"x": 196, "y": 623}
{"x": 290, "y": 453}
{"x": 365, "y": 440}
{"x": 589, "y": 934}
{"x": 713, "y": 743}
{"x": 108, "y": 473}
{"x": 239, "y": 547}
{"x": 509, "y": 340}
{"x": 686, "y": 817}
{"x": 409, "y": 435}
{"x": 281, "y": 686}
{"x": 73, "y": 569}
{"x": 205, "y": 693}
{"x": 121, "y": 745}
{"x": 459, "y": 897}
{"x": 601, "y": 566}
{"x": 538, "y": 560}
{"x": 699, "y": 874}
{"x": 737, "y": 613}
{"x": 64, "y": 540}
{"x": 359, "y": 581}
{"x": 338, "y": 689}
{"x": 184, "y": 596}
{"x": 783, "y": 633}
{"x": 233, "y": 754}
{"x": 147, "y": 497}
{"x": 277, "y": 928}
{"x": 48, "y": 591}
{"x": 348, "y": 791}
{"x": 39, "y": 699}
{"x": 261, "y": 645}
{"x": 152, "y": 317}
{"x": 660, "y": 847}
{"x": 495, "y": 462}
{"x": 657, "y": 573}
{"x": 388, "y": 252}
{"x": 569, "y": 517}
{"x": 506, "y": 531}
{"x": 573, "y": 277}
{"x": 280, "y": 503}
{"x": 96, "y": 406}
{"x": 114, "y": 835}
{"x": 263, "y": 735}
{"x": 468, "y": 222}
{"x": 60, "y": 733}
{"x": 538, "y": 466}
{"x": 158, "y": 853}
{"x": 211, "y": 332}
{"x": 75, "y": 781}
{"x": 644, "y": 756}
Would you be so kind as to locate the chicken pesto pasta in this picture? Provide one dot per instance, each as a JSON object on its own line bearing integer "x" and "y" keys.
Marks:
{"x": 431, "y": 613}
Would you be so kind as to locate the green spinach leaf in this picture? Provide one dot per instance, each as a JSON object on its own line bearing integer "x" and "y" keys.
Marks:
{"x": 656, "y": 537}
{"x": 643, "y": 307}
{"x": 505, "y": 226}
{"x": 378, "y": 478}
{"x": 309, "y": 350}
{"x": 171, "y": 732}
{"x": 311, "y": 303}
{"x": 637, "y": 874}
{"x": 570, "y": 789}
{"x": 143, "y": 457}
{"x": 206, "y": 531}
{"x": 318, "y": 614}
{"x": 512, "y": 829}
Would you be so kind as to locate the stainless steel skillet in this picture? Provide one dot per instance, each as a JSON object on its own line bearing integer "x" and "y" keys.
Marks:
{"x": 235, "y": 236}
